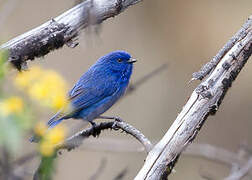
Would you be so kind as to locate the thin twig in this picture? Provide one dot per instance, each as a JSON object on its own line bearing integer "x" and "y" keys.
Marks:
{"x": 75, "y": 140}
{"x": 24, "y": 159}
{"x": 121, "y": 175}
{"x": 145, "y": 78}
{"x": 99, "y": 170}
{"x": 244, "y": 170}
{"x": 115, "y": 145}
{"x": 135, "y": 133}
{"x": 214, "y": 153}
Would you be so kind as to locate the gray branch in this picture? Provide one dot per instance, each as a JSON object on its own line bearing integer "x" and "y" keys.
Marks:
{"x": 214, "y": 153}
{"x": 236, "y": 175}
{"x": 77, "y": 139}
{"x": 206, "y": 69}
{"x": 204, "y": 101}
{"x": 205, "y": 151}
{"x": 62, "y": 30}
{"x": 145, "y": 78}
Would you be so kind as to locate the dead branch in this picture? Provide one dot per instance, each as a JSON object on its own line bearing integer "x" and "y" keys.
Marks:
{"x": 62, "y": 30}
{"x": 214, "y": 153}
{"x": 243, "y": 171}
{"x": 204, "y": 101}
{"x": 121, "y": 175}
{"x": 76, "y": 140}
{"x": 99, "y": 170}
{"x": 145, "y": 78}
{"x": 197, "y": 150}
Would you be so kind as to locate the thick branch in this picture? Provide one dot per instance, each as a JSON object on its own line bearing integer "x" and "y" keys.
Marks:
{"x": 205, "y": 100}
{"x": 75, "y": 140}
{"x": 62, "y": 30}
{"x": 206, "y": 69}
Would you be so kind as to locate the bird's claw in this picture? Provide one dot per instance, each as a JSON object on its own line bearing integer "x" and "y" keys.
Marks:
{"x": 118, "y": 119}
{"x": 92, "y": 123}
{"x": 95, "y": 131}
{"x": 114, "y": 126}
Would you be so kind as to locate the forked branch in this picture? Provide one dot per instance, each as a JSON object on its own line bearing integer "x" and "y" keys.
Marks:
{"x": 204, "y": 101}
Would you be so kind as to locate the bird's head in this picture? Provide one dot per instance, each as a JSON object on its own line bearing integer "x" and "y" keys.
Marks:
{"x": 118, "y": 61}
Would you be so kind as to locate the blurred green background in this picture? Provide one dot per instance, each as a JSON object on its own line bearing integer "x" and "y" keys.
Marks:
{"x": 183, "y": 34}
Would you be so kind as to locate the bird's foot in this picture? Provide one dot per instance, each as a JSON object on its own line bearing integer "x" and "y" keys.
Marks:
{"x": 115, "y": 118}
{"x": 118, "y": 119}
{"x": 92, "y": 123}
{"x": 95, "y": 131}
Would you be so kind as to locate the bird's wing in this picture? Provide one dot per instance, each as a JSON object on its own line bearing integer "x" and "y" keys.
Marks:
{"x": 57, "y": 118}
{"x": 83, "y": 96}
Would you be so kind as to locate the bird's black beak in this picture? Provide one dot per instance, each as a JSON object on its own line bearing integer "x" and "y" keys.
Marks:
{"x": 131, "y": 60}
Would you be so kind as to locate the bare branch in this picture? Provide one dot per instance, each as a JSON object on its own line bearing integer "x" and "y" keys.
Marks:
{"x": 236, "y": 175}
{"x": 199, "y": 150}
{"x": 99, "y": 170}
{"x": 121, "y": 175}
{"x": 62, "y": 30}
{"x": 145, "y": 78}
{"x": 115, "y": 145}
{"x": 25, "y": 158}
{"x": 204, "y": 101}
{"x": 206, "y": 69}
{"x": 75, "y": 140}
{"x": 214, "y": 153}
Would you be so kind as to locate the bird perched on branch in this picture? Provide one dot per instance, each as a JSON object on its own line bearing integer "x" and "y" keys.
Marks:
{"x": 98, "y": 88}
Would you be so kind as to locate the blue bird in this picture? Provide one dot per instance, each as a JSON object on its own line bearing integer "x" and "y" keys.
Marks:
{"x": 98, "y": 88}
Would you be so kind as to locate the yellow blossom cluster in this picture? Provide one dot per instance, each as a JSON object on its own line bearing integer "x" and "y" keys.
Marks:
{"x": 49, "y": 138}
{"x": 12, "y": 105}
{"x": 45, "y": 86}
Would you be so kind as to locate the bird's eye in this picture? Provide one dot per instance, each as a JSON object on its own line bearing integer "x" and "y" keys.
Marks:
{"x": 119, "y": 60}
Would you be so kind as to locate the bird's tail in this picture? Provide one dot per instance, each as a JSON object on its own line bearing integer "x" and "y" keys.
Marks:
{"x": 55, "y": 120}
{"x": 52, "y": 122}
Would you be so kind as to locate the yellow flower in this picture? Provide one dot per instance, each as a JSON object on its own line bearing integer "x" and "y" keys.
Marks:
{"x": 50, "y": 139}
{"x": 39, "y": 91}
{"x": 56, "y": 134}
{"x": 45, "y": 86}
{"x": 26, "y": 78}
{"x": 46, "y": 148}
{"x": 40, "y": 129}
{"x": 59, "y": 101}
{"x": 11, "y": 105}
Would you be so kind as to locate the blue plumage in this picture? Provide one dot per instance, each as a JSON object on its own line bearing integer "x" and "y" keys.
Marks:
{"x": 99, "y": 88}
